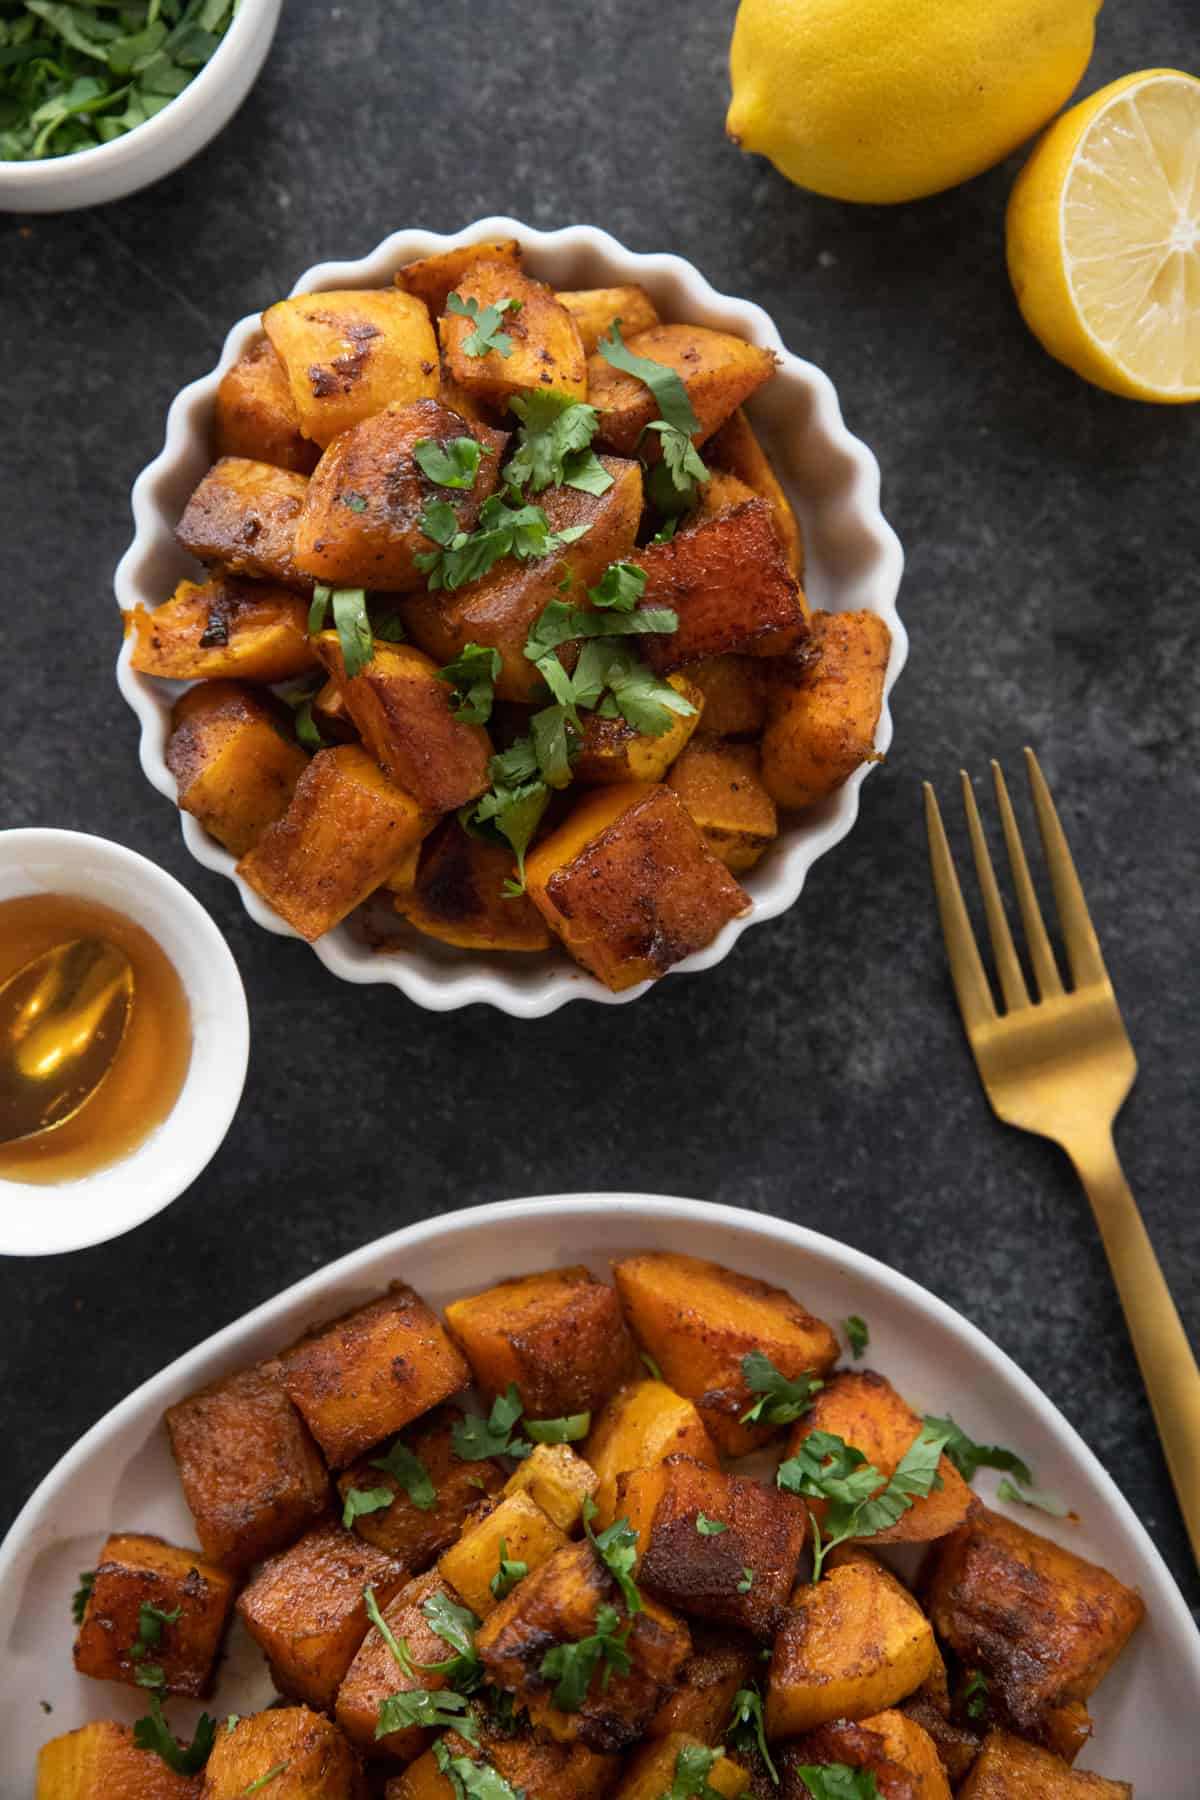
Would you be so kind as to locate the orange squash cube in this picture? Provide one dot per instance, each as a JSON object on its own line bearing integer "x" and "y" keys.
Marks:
{"x": 702, "y": 1704}
{"x": 558, "y": 1480}
{"x": 243, "y": 515}
{"x": 596, "y": 310}
{"x": 349, "y": 353}
{"x": 100, "y": 1761}
{"x": 416, "y": 1535}
{"x": 226, "y": 628}
{"x": 290, "y": 1752}
{"x": 642, "y": 1425}
{"x": 374, "y": 1674}
{"x": 432, "y": 278}
{"x": 140, "y": 1572}
{"x": 558, "y": 1335}
{"x": 545, "y": 349}
{"x": 234, "y": 760}
{"x": 735, "y": 694}
{"x": 528, "y": 1762}
{"x": 254, "y": 415}
{"x": 728, "y": 582}
{"x": 650, "y": 1771}
{"x": 823, "y": 711}
{"x": 718, "y": 370}
{"x": 612, "y": 750}
{"x": 722, "y": 788}
{"x": 736, "y": 450}
{"x": 1008, "y": 1768}
{"x": 516, "y": 1523}
{"x": 457, "y": 894}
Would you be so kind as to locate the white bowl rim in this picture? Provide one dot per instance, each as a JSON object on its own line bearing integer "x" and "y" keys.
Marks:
{"x": 443, "y": 986}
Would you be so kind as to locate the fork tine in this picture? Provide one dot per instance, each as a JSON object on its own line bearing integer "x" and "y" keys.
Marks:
{"x": 970, "y": 983}
{"x": 1083, "y": 946}
{"x": 1007, "y": 966}
{"x": 1040, "y": 954}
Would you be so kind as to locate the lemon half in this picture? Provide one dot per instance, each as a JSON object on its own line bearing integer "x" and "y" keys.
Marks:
{"x": 1104, "y": 238}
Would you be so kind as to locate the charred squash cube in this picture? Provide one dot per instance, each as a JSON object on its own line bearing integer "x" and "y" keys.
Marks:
{"x": 366, "y": 1375}
{"x": 225, "y": 628}
{"x": 100, "y": 1761}
{"x": 558, "y": 1480}
{"x": 348, "y": 354}
{"x": 515, "y": 1525}
{"x": 957, "y": 1746}
{"x": 528, "y": 1762}
{"x": 235, "y": 762}
{"x": 702, "y": 1704}
{"x": 305, "y": 1609}
{"x": 290, "y": 1752}
{"x": 735, "y": 694}
{"x": 712, "y": 1545}
{"x": 432, "y": 278}
{"x": 889, "y": 1746}
{"x": 651, "y": 1770}
{"x": 823, "y": 710}
{"x": 718, "y": 370}
{"x": 458, "y": 894}
{"x": 243, "y": 515}
{"x": 416, "y": 1535}
{"x": 255, "y": 416}
{"x": 728, "y": 583}
{"x": 722, "y": 788}
{"x": 596, "y": 310}
{"x": 544, "y": 349}
{"x": 611, "y": 750}
{"x": 558, "y": 1335}
{"x": 137, "y": 1574}
{"x": 736, "y": 449}
{"x": 374, "y": 1674}
{"x": 1009, "y": 1769}
{"x": 251, "y": 1474}
{"x": 642, "y": 1425}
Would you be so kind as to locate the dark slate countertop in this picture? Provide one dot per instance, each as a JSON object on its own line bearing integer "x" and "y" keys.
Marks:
{"x": 821, "y": 1072}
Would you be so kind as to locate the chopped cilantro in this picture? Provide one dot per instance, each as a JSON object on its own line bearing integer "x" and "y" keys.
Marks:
{"x": 151, "y": 1620}
{"x": 666, "y": 530}
{"x": 677, "y": 423}
{"x": 473, "y": 675}
{"x": 216, "y": 631}
{"x": 857, "y": 1334}
{"x": 1031, "y": 1496}
{"x": 975, "y": 1694}
{"x": 433, "y": 1711}
{"x": 473, "y": 1780}
{"x": 486, "y": 335}
{"x": 620, "y": 587}
{"x": 365, "y": 1500}
{"x": 503, "y": 530}
{"x": 656, "y": 1373}
{"x": 780, "y": 1401}
{"x": 153, "y": 1733}
{"x": 512, "y": 809}
{"x": 968, "y": 1456}
{"x": 452, "y": 465}
{"x": 558, "y": 623}
{"x": 572, "y": 1666}
{"x": 710, "y": 1527}
{"x": 693, "y": 1767}
{"x": 616, "y": 1547}
{"x": 747, "y": 1581}
{"x": 836, "y": 1781}
{"x": 409, "y": 1472}
{"x": 475, "y": 1438}
{"x": 567, "y": 1430}
{"x": 826, "y": 1467}
{"x": 385, "y": 1631}
{"x": 455, "y": 1625}
{"x": 269, "y": 1776}
{"x": 308, "y": 732}
{"x": 510, "y": 1571}
{"x": 746, "y": 1730}
{"x": 79, "y": 1599}
{"x": 554, "y": 445}
{"x": 350, "y": 620}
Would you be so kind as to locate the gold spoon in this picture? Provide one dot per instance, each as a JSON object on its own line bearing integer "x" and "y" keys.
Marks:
{"x": 62, "y": 1019}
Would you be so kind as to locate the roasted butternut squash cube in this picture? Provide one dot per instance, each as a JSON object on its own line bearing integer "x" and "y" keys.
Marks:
{"x": 699, "y": 1320}
{"x": 305, "y": 1609}
{"x": 235, "y": 762}
{"x": 865, "y": 1410}
{"x": 712, "y": 1545}
{"x": 735, "y": 694}
{"x": 457, "y": 893}
{"x": 544, "y": 349}
{"x": 852, "y": 1644}
{"x": 736, "y": 450}
{"x": 629, "y": 885}
{"x": 405, "y": 717}
{"x": 1044, "y": 1625}
{"x": 135, "y": 1573}
{"x": 349, "y": 354}
{"x": 289, "y": 1750}
{"x": 719, "y": 494}
{"x": 502, "y": 607}
{"x": 729, "y": 585}
{"x": 374, "y": 1673}
{"x": 912, "y": 1749}
{"x": 344, "y": 832}
{"x": 558, "y": 1480}
{"x": 518, "y": 1523}
{"x": 888, "y": 1746}
{"x": 642, "y": 1425}
{"x": 718, "y": 370}
{"x": 613, "y": 751}
{"x": 364, "y": 1376}
{"x": 100, "y": 1761}
{"x": 722, "y": 787}
{"x": 558, "y": 1335}
{"x": 360, "y": 526}
{"x": 527, "y": 1762}
{"x": 1065, "y": 1729}
{"x": 650, "y": 1770}
{"x": 957, "y": 1746}
{"x": 243, "y": 515}
{"x": 702, "y": 1704}
{"x": 416, "y": 1535}
{"x": 1010, "y": 1769}
{"x": 432, "y": 278}
{"x": 254, "y": 414}
{"x": 596, "y": 310}
{"x": 823, "y": 712}
{"x": 224, "y": 628}
{"x": 252, "y": 1476}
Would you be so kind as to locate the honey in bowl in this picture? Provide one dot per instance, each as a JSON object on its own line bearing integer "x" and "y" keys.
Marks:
{"x": 151, "y": 1062}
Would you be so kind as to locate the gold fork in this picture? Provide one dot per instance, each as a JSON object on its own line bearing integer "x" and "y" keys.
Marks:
{"x": 1061, "y": 1066}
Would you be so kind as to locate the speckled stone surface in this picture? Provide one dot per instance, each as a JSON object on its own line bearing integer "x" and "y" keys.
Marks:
{"x": 820, "y": 1074}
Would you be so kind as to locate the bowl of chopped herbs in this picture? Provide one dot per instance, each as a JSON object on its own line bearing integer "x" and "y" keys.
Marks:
{"x": 101, "y": 97}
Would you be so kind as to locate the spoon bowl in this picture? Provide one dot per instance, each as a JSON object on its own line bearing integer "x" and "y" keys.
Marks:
{"x": 63, "y": 1017}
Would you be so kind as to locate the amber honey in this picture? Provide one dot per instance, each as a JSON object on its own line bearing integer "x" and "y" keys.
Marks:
{"x": 149, "y": 1069}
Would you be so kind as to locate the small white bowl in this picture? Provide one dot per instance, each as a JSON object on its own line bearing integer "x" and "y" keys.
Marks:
{"x": 152, "y": 150}
{"x": 40, "y": 1219}
{"x": 853, "y": 560}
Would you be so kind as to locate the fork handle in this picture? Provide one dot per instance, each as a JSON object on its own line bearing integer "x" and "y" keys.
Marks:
{"x": 1168, "y": 1366}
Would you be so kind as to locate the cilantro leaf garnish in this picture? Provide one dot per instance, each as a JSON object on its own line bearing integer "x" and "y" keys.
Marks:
{"x": 693, "y": 1766}
{"x": 409, "y": 1472}
{"x": 652, "y": 1367}
{"x": 836, "y": 1781}
{"x": 455, "y": 1625}
{"x": 1031, "y": 1496}
{"x": 308, "y": 732}
{"x": 503, "y": 530}
{"x": 151, "y": 1620}
{"x": 356, "y": 502}
{"x": 473, "y": 675}
{"x": 486, "y": 335}
{"x": 572, "y": 1666}
{"x": 153, "y": 1733}
{"x": 780, "y": 1401}
{"x": 975, "y": 1694}
{"x": 385, "y": 1631}
{"x": 350, "y": 620}
{"x": 616, "y": 1547}
{"x": 558, "y": 623}
{"x": 452, "y": 465}
{"x": 826, "y": 1467}
{"x": 473, "y": 1780}
{"x": 857, "y": 1334}
{"x": 746, "y": 1730}
{"x": 684, "y": 465}
{"x": 677, "y": 422}
{"x": 554, "y": 445}
{"x": 269, "y": 1776}
{"x": 666, "y": 530}
{"x": 365, "y": 1500}
{"x": 706, "y": 1527}
{"x": 510, "y": 1571}
{"x": 79, "y": 1600}
{"x": 620, "y": 587}
{"x": 433, "y": 1710}
{"x": 567, "y": 1430}
{"x": 474, "y": 1438}
{"x": 511, "y": 810}
{"x": 968, "y": 1456}
{"x": 747, "y": 1581}
{"x": 642, "y": 700}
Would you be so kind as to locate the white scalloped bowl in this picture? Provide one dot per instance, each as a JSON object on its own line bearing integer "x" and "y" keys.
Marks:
{"x": 853, "y": 560}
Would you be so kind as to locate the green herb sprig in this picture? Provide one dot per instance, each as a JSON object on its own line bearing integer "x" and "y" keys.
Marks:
{"x": 781, "y": 1401}
{"x": 487, "y": 334}
{"x": 554, "y": 445}
{"x": 693, "y": 1766}
{"x": 79, "y": 1600}
{"x": 511, "y": 1570}
{"x": 503, "y": 530}
{"x": 836, "y": 1781}
{"x": 473, "y": 1780}
{"x": 409, "y": 1472}
{"x": 153, "y": 1733}
{"x": 676, "y": 425}
{"x": 746, "y": 1730}
{"x": 826, "y": 1467}
{"x": 858, "y": 1335}
{"x": 572, "y": 1666}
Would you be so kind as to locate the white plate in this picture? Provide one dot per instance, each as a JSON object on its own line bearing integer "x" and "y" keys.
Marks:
{"x": 121, "y": 1476}
{"x": 854, "y": 560}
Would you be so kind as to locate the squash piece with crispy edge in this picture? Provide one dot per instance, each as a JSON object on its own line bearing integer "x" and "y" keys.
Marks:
{"x": 254, "y": 414}
{"x": 718, "y": 370}
{"x": 360, "y": 526}
{"x": 629, "y": 884}
{"x": 457, "y": 893}
{"x": 729, "y": 586}
{"x": 405, "y": 717}
{"x": 135, "y": 1571}
{"x": 956, "y": 1745}
{"x": 528, "y": 1762}
{"x": 596, "y": 310}
{"x": 529, "y": 1536}
{"x": 702, "y": 1703}
{"x": 735, "y": 694}
{"x": 349, "y": 354}
{"x": 612, "y": 750}
{"x": 846, "y": 1745}
{"x": 292, "y": 1753}
{"x": 251, "y": 1474}
{"x": 912, "y": 1749}
{"x": 721, "y": 786}
{"x": 852, "y": 1644}
{"x": 736, "y": 450}
{"x": 224, "y": 628}
{"x": 649, "y": 1773}
{"x": 558, "y": 1604}
{"x": 100, "y": 1761}
{"x": 433, "y": 278}
{"x": 1043, "y": 1625}
{"x": 699, "y": 1320}
{"x": 823, "y": 710}
{"x": 559, "y": 1481}
{"x": 374, "y": 1672}
{"x": 372, "y": 1371}
{"x": 344, "y": 832}
{"x": 545, "y": 348}
{"x": 865, "y": 1410}
{"x": 502, "y": 607}
{"x": 1009, "y": 1769}
{"x": 558, "y": 1334}
{"x": 1065, "y": 1729}
{"x": 720, "y": 493}
{"x": 712, "y": 1545}
{"x": 243, "y": 515}
{"x": 641, "y": 1425}
{"x": 235, "y": 763}
{"x": 305, "y": 1609}
{"x": 416, "y": 1535}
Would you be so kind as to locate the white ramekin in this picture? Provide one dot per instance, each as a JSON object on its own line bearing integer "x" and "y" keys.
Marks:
{"x": 853, "y": 560}
{"x": 152, "y": 150}
{"x": 38, "y": 1219}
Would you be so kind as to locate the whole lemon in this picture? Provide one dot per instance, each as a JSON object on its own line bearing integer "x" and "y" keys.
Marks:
{"x": 886, "y": 100}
